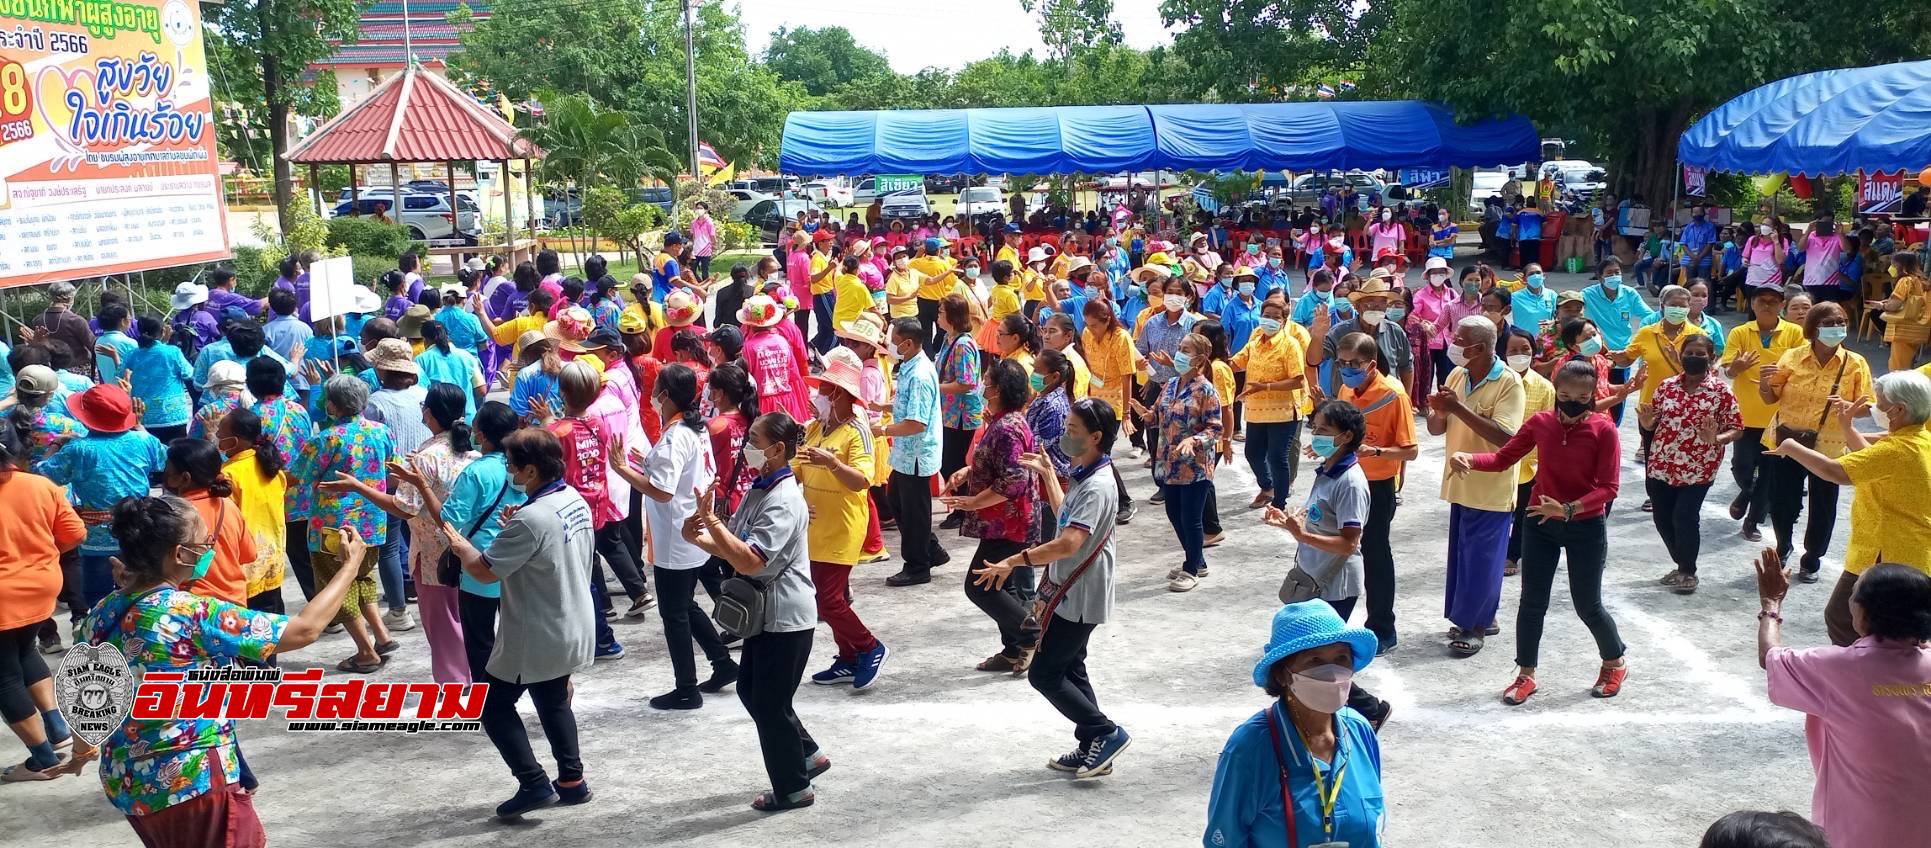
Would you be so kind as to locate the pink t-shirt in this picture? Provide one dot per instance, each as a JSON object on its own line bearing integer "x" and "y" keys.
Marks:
{"x": 1389, "y": 235}
{"x": 1821, "y": 258}
{"x": 616, "y": 410}
{"x": 1760, "y": 257}
{"x": 797, "y": 272}
{"x": 703, "y": 235}
{"x": 1431, "y": 305}
{"x": 776, "y": 372}
{"x": 1868, "y": 716}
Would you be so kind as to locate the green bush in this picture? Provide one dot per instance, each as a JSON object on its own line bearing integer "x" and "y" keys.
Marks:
{"x": 252, "y": 275}
{"x": 368, "y": 237}
{"x": 369, "y": 271}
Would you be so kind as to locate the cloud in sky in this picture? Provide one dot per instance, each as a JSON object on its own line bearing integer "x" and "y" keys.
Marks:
{"x": 923, "y": 34}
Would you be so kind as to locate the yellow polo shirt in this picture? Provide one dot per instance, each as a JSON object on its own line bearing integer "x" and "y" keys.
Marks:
{"x": 1500, "y": 399}
{"x": 507, "y": 332}
{"x": 1002, "y": 301}
{"x": 1888, "y": 520}
{"x": 937, "y": 273}
{"x": 1538, "y": 395}
{"x": 906, "y": 283}
{"x": 825, "y": 283}
{"x": 1786, "y": 337}
{"x": 1082, "y": 378}
{"x": 1648, "y": 344}
{"x": 1266, "y": 359}
{"x": 838, "y": 514}
{"x": 1805, "y": 385}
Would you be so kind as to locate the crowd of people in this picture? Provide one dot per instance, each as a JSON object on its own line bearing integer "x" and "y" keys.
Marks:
{"x": 476, "y": 459}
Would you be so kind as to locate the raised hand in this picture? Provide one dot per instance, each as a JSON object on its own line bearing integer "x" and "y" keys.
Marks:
{"x": 1773, "y": 579}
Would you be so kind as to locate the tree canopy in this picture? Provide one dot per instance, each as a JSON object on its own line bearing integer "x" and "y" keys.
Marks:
{"x": 822, "y": 59}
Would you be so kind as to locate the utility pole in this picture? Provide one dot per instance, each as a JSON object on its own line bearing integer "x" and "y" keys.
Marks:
{"x": 690, "y": 84}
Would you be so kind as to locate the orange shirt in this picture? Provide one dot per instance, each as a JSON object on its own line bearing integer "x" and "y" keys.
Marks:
{"x": 1391, "y": 425}
{"x": 234, "y": 547}
{"x": 29, "y": 553}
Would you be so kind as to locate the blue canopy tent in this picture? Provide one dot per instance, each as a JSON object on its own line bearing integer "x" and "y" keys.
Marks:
{"x": 1820, "y": 124}
{"x": 1107, "y": 139}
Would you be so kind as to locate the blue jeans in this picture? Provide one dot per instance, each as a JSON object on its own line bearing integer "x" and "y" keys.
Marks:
{"x": 389, "y": 559}
{"x": 1271, "y": 453}
{"x": 97, "y": 581}
{"x": 1186, "y": 506}
{"x": 600, "y": 601}
{"x": 821, "y": 308}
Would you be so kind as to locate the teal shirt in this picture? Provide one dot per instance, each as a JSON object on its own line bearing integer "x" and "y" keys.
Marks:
{"x": 472, "y": 492}
{"x": 1245, "y": 808}
{"x": 100, "y": 470}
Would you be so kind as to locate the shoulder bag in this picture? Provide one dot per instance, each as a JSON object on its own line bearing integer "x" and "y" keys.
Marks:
{"x": 744, "y": 602}
{"x": 449, "y": 569}
{"x": 1808, "y": 438}
{"x": 1039, "y": 613}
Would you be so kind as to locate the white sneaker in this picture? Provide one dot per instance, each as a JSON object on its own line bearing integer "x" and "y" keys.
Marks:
{"x": 334, "y": 627}
{"x": 399, "y": 620}
{"x": 1185, "y": 582}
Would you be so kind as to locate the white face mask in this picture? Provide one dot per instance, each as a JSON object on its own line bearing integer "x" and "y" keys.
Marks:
{"x": 754, "y": 457}
{"x": 1323, "y": 688}
{"x": 1763, "y": 229}
{"x": 1387, "y": 215}
{"x": 1174, "y": 302}
{"x": 1457, "y": 354}
{"x": 822, "y": 405}
{"x": 1372, "y": 318}
{"x": 1520, "y": 363}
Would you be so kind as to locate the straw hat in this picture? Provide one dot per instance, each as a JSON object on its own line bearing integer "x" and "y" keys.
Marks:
{"x": 860, "y": 246}
{"x": 1375, "y": 286}
{"x": 842, "y": 369}
{"x": 869, "y": 327}
{"x": 1142, "y": 273}
{"x": 680, "y": 308}
{"x": 393, "y": 355}
{"x": 532, "y": 338}
{"x": 760, "y": 311}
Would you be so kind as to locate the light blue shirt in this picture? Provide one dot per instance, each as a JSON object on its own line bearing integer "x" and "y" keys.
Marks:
{"x": 1528, "y": 307}
{"x": 1239, "y": 317}
{"x": 1245, "y": 807}
{"x": 102, "y": 469}
{"x": 284, "y": 334}
{"x": 159, "y": 377}
{"x": 70, "y": 384}
{"x": 474, "y": 489}
{"x": 1709, "y": 325}
{"x": 1314, "y": 299}
{"x": 465, "y": 331}
{"x": 532, "y": 382}
{"x": 222, "y": 351}
{"x": 1696, "y": 236}
{"x": 917, "y": 399}
{"x": 108, "y": 368}
{"x": 458, "y": 368}
{"x": 400, "y": 412}
{"x": 1271, "y": 278}
{"x": 1164, "y": 336}
{"x": 1616, "y": 319}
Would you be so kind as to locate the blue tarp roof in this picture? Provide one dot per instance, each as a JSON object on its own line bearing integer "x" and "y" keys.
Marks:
{"x": 1820, "y": 124}
{"x": 1107, "y": 139}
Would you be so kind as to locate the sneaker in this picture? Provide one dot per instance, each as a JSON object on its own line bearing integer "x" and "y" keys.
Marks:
{"x": 1158, "y": 498}
{"x": 869, "y": 664}
{"x": 816, "y": 764}
{"x": 640, "y": 606}
{"x": 612, "y": 651}
{"x": 1101, "y": 754}
{"x": 1518, "y": 691}
{"x": 1807, "y": 576}
{"x": 609, "y": 613}
{"x": 678, "y": 699}
{"x": 909, "y": 578}
{"x": 1175, "y": 571}
{"x": 399, "y": 619}
{"x": 1610, "y": 681}
{"x": 1071, "y": 760}
{"x": 334, "y": 627}
{"x": 1125, "y": 516}
{"x": 52, "y": 646}
{"x": 723, "y": 673}
{"x": 1184, "y": 582}
{"x": 526, "y": 800}
{"x": 570, "y": 796}
{"x": 840, "y": 672}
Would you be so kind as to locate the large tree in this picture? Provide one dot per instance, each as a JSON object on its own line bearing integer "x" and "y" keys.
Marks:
{"x": 629, "y": 55}
{"x": 822, "y": 59}
{"x": 1069, "y": 27}
{"x": 278, "y": 40}
{"x": 1259, "y": 50}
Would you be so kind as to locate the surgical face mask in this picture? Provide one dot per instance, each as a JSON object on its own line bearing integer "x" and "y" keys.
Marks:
{"x": 1573, "y": 408}
{"x": 1676, "y": 314}
{"x": 1520, "y": 363}
{"x": 1226, "y": 281}
{"x": 1071, "y": 446}
{"x": 1094, "y": 293}
{"x": 1039, "y": 382}
{"x": 1274, "y": 262}
{"x": 754, "y": 457}
{"x": 1182, "y": 361}
{"x": 1387, "y": 215}
{"x": 1438, "y": 279}
{"x": 1590, "y": 346}
{"x": 1832, "y": 336}
{"x": 1472, "y": 289}
{"x": 1763, "y": 229}
{"x": 1372, "y": 317}
{"x": 1247, "y": 287}
{"x": 1696, "y": 364}
{"x": 202, "y": 564}
{"x": 971, "y": 271}
{"x": 1323, "y": 446}
{"x": 1174, "y": 302}
{"x": 1323, "y": 689}
{"x": 821, "y": 405}
{"x": 1612, "y": 282}
{"x": 1457, "y": 354}
{"x": 1270, "y": 326}
{"x": 1535, "y": 281}
{"x": 1323, "y": 295}
{"x": 1352, "y": 378}
{"x": 1253, "y": 250}
{"x": 1396, "y": 313}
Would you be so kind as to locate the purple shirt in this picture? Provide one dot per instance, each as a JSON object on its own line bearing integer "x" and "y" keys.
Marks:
{"x": 220, "y": 299}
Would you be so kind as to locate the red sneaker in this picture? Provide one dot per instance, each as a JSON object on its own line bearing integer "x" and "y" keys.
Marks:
{"x": 1519, "y": 691}
{"x": 1610, "y": 681}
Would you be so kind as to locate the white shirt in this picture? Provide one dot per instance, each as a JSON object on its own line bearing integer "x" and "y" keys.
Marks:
{"x": 680, "y": 463}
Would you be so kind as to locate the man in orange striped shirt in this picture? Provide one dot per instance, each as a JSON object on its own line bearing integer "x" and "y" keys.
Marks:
{"x": 1387, "y": 446}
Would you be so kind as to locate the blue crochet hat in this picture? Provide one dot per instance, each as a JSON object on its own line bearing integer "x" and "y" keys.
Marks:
{"x": 1311, "y": 624}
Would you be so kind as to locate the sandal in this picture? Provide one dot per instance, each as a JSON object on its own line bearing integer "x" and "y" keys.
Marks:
{"x": 1511, "y": 568}
{"x": 1260, "y": 500}
{"x": 1025, "y": 661}
{"x": 1674, "y": 578}
{"x": 769, "y": 802}
{"x": 1647, "y": 506}
{"x": 1686, "y": 586}
{"x": 1465, "y": 643}
{"x": 1491, "y": 630}
{"x": 996, "y": 662}
{"x": 387, "y": 648}
{"x": 351, "y": 666}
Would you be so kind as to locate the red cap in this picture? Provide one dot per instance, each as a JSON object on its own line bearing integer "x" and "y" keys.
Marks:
{"x": 822, "y": 235}
{"x": 104, "y": 408}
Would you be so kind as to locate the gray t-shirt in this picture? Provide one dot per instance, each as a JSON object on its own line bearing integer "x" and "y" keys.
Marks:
{"x": 546, "y": 628}
{"x": 1090, "y": 506}
{"x": 772, "y": 520}
{"x": 1335, "y": 501}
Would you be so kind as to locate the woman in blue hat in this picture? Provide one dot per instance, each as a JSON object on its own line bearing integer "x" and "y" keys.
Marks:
{"x": 1306, "y": 749}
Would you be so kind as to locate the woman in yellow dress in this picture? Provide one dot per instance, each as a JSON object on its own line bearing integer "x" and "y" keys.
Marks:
{"x": 1111, "y": 362}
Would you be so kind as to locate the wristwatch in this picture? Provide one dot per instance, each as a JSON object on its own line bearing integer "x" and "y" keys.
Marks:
{"x": 1569, "y": 511}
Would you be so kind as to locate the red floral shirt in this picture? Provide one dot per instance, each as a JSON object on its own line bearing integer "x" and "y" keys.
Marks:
{"x": 1676, "y": 455}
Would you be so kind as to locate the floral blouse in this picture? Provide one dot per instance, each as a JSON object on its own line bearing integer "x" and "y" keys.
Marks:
{"x": 46, "y": 431}
{"x": 209, "y": 416}
{"x": 1189, "y": 409}
{"x": 960, "y": 364}
{"x": 286, "y": 423}
{"x": 359, "y": 448}
{"x": 995, "y": 466}
{"x": 1676, "y": 456}
{"x": 438, "y": 463}
{"x": 1046, "y": 415}
{"x": 150, "y": 765}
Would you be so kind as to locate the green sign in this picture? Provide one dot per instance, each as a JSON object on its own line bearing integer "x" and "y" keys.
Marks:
{"x": 888, "y": 183}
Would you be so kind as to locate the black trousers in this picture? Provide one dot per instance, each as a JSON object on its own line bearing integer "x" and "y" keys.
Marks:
{"x": 1378, "y": 560}
{"x": 929, "y": 320}
{"x": 1119, "y": 484}
{"x": 297, "y": 549}
{"x": 684, "y": 620}
{"x": 506, "y": 732}
{"x": 1360, "y": 699}
{"x": 1150, "y": 398}
{"x": 1586, "y": 544}
{"x": 1210, "y": 512}
{"x": 1059, "y": 673}
{"x": 1677, "y": 511}
{"x": 20, "y": 667}
{"x": 1522, "y": 492}
{"x": 1787, "y": 481}
{"x": 1006, "y": 606}
{"x": 1751, "y": 471}
{"x": 954, "y": 444}
{"x": 614, "y": 544}
{"x": 912, "y": 502}
{"x": 773, "y": 663}
{"x": 478, "y": 615}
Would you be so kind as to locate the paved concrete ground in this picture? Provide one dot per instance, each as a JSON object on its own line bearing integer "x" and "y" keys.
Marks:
{"x": 941, "y": 755}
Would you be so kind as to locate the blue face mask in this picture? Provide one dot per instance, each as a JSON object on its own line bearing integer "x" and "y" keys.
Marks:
{"x": 1093, "y": 293}
{"x": 1270, "y": 326}
{"x": 1253, "y": 250}
{"x": 1591, "y": 347}
{"x": 1534, "y": 281}
{"x": 1612, "y": 282}
{"x": 1353, "y": 377}
{"x": 1226, "y": 281}
{"x": 1182, "y": 362}
{"x": 1323, "y": 296}
{"x": 1273, "y": 262}
{"x": 1246, "y": 288}
{"x": 1323, "y": 446}
{"x": 1396, "y": 313}
{"x": 1832, "y": 336}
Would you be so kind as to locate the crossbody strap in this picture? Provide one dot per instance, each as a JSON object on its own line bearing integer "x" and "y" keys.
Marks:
{"x": 485, "y": 514}
{"x": 1843, "y": 361}
{"x": 1060, "y": 594}
{"x": 1280, "y": 761}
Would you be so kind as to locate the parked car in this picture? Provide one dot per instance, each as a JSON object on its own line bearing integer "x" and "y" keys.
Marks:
{"x": 827, "y": 194}
{"x": 659, "y": 196}
{"x": 1308, "y": 188}
{"x": 747, "y": 198}
{"x": 425, "y": 216}
{"x": 980, "y": 200}
{"x": 771, "y": 214}
{"x": 907, "y": 204}
{"x": 945, "y": 183}
{"x": 864, "y": 191}
{"x": 997, "y": 181}
{"x": 772, "y": 185}
{"x": 1485, "y": 182}
{"x": 562, "y": 209}
{"x": 1575, "y": 175}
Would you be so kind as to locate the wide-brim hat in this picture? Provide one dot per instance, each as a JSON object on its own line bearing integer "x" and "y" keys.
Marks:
{"x": 1312, "y": 624}
{"x": 457, "y": 289}
{"x": 869, "y": 327}
{"x": 1246, "y": 274}
{"x": 1435, "y": 263}
{"x": 860, "y": 246}
{"x": 760, "y": 311}
{"x": 187, "y": 295}
{"x": 680, "y": 308}
{"x": 1141, "y": 273}
{"x": 105, "y": 408}
{"x": 1037, "y": 254}
{"x": 393, "y": 355}
{"x": 842, "y": 369}
{"x": 1374, "y": 286}
{"x": 410, "y": 324}
{"x": 532, "y": 338}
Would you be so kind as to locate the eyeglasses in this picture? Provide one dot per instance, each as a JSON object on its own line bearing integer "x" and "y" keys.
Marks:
{"x": 1354, "y": 363}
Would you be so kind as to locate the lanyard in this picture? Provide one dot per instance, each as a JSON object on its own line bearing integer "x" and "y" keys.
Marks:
{"x": 1325, "y": 800}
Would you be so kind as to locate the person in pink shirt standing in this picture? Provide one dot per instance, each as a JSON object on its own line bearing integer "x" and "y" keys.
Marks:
{"x": 1388, "y": 233}
{"x": 1867, "y": 712}
{"x": 550, "y": 265}
{"x": 1430, "y": 318}
{"x": 1823, "y": 256}
{"x": 703, "y": 239}
{"x": 797, "y": 274}
{"x": 773, "y": 364}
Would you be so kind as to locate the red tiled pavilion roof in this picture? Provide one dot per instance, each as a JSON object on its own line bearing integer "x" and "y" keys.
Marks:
{"x": 414, "y": 116}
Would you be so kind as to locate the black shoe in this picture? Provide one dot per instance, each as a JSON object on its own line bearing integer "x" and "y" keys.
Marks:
{"x": 909, "y": 578}
{"x": 678, "y": 699}
{"x": 1738, "y": 505}
{"x": 1751, "y": 534}
{"x": 1387, "y": 646}
{"x": 1158, "y": 498}
{"x": 723, "y": 673}
{"x": 1380, "y": 716}
{"x": 525, "y": 800}
{"x": 953, "y": 521}
{"x": 816, "y": 764}
{"x": 570, "y": 796}
{"x": 1806, "y": 576}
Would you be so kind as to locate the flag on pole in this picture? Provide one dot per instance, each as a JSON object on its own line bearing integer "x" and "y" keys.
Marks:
{"x": 1324, "y": 91}
{"x": 713, "y": 166}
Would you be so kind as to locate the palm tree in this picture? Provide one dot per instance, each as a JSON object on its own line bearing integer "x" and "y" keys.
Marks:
{"x": 586, "y": 144}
